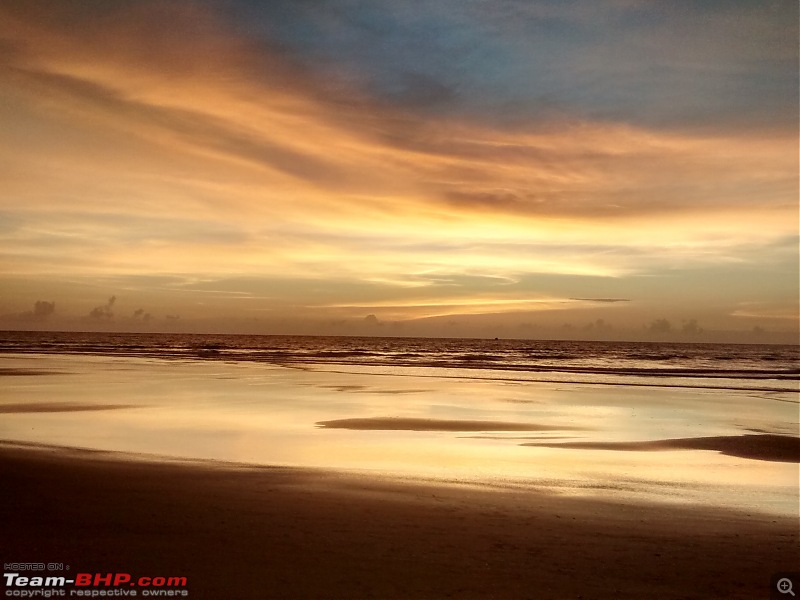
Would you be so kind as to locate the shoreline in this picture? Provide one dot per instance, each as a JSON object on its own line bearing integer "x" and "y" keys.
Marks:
{"x": 242, "y": 531}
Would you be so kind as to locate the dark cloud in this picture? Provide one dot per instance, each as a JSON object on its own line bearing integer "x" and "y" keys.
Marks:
{"x": 105, "y": 311}
{"x": 140, "y": 315}
{"x": 41, "y": 310}
{"x": 598, "y": 326}
{"x": 660, "y": 326}
{"x": 691, "y": 327}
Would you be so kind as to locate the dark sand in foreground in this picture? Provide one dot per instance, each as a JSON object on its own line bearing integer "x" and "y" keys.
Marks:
{"x": 250, "y": 532}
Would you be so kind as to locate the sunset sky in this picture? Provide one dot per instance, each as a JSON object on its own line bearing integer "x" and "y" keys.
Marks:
{"x": 619, "y": 169}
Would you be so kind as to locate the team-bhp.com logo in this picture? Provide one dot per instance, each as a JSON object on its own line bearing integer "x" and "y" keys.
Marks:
{"x": 93, "y": 585}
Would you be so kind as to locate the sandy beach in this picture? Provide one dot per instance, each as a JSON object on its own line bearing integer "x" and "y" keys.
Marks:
{"x": 261, "y": 532}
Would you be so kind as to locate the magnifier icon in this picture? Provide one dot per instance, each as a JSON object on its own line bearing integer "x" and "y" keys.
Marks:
{"x": 785, "y": 586}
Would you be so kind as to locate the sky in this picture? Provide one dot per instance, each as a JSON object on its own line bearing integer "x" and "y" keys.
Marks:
{"x": 618, "y": 169}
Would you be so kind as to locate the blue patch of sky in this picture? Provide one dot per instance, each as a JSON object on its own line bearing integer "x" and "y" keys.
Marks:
{"x": 500, "y": 61}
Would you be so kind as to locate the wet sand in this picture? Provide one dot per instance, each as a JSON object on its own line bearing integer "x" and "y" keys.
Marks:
{"x": 45, "y": 407}
{"x": 263, "y": 532}
{"x": 412, "y": 424}
{"x": 774, "y": 448}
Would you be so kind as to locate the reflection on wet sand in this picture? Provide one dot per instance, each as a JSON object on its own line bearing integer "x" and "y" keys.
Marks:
{"x": 46, "y": 407}
{"x": 363, "y": 389}
{"x": 775, "y": 448}
{"x": 10, "y": 372}
{"x": 411, "y": 424}
{"x": 408, "y": 425}
{"x": 507, "y": 438}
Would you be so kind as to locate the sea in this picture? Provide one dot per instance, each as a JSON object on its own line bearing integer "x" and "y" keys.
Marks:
{"x": 715, "y": 424}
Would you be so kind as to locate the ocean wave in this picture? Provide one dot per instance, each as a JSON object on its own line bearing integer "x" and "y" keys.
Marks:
{"x": 696, "y": 365}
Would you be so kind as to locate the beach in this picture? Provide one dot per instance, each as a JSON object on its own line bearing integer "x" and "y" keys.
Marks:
{"x": 340, "y": 474}
{"x": 237, "y": 531}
